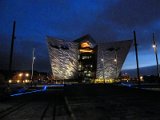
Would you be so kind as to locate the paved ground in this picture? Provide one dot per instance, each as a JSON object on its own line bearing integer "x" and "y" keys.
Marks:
{"x": 84, "y": 102}
{"x": 106, "y": 102}
{"x": 44, "y": 105}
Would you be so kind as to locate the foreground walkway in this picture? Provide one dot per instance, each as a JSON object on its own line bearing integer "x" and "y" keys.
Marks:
{"x": 113, "y": 103}
{"x": 83, "y": 102}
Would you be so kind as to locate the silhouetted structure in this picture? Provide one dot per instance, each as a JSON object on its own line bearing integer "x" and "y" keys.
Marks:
{"x": 12, "y": 48}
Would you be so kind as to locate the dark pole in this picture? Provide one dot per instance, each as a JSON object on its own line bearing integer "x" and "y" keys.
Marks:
{"x": 136, "y": 50}
{"x": 155, "y": 51}
{"x": 11, "y": 50}
{"x": 33, "y": 59}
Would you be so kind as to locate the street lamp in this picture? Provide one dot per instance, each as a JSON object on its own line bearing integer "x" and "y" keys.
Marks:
{"x": 137, "y": 61}
{"x": 33, "y": 59}
{"x": 154, "y": 45}
{"x": 20, "y": 74}
{"x": 27, "y": 74}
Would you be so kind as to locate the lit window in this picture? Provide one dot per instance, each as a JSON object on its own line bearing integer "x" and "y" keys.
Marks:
{"x": 85, "y": 44}
{"x": 86, "y": 51}
{"x": 86, "y": 57}
{"x": 79, "y": 67}
{"x": 88, "y": 75}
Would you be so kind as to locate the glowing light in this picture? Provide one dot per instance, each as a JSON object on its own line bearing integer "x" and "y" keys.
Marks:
{"x": 45, "y": 88}
{"x": 10, "y": 81}
{"x": 141, "y": 78}
{"x": 86, "y": 50}
{"x": 27, "y": 74}
{"x": 20, "y": 74}
{"x": 154, "y": 46}
{"x": 18, "y": 81}
{"x": 102, "y": 80}
{"x": 126, "y": 84}
{"x": 26, "y": 81}
{"x": 18, "y": 94}
{"x": 85, "y": 44}
{"x": 89, "y": 74}
{"x": 115, "y": 60}
{"x": 102, "y": 59}
{"x": 56, "y": 85}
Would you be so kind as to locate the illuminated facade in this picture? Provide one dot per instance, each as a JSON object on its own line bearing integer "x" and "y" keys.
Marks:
{"x": 85, "y": 60}
{"x": 63, "y": 58}
{"x": 110, "y": 58}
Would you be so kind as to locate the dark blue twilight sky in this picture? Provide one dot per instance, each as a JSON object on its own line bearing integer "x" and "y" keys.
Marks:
{"x": 104, "y": 20}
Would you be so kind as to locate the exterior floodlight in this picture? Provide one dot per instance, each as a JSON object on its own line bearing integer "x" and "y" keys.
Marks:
{"x": 115, "y": 60}
{"x": 102, "y": 59}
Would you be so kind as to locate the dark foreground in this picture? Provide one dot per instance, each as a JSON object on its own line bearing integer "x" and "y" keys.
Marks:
{"x": 83, "y": 102}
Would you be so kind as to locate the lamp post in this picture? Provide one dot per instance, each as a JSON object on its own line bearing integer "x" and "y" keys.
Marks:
{"x": 154, "y": 45}
{"x": 33, "y": 59}
{"x": 136, "y": 51}
{"x": 11, "y": 50}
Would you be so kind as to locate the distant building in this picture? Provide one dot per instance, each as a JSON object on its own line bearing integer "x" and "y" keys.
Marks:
{"x": 84, "y": 59}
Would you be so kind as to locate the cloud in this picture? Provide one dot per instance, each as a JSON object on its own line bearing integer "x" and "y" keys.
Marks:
{"x": 131, "y": 13}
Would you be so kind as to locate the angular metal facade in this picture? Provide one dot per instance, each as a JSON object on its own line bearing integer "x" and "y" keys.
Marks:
{"x": 107, "y": 68}
{"x": 63, "y": 57}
